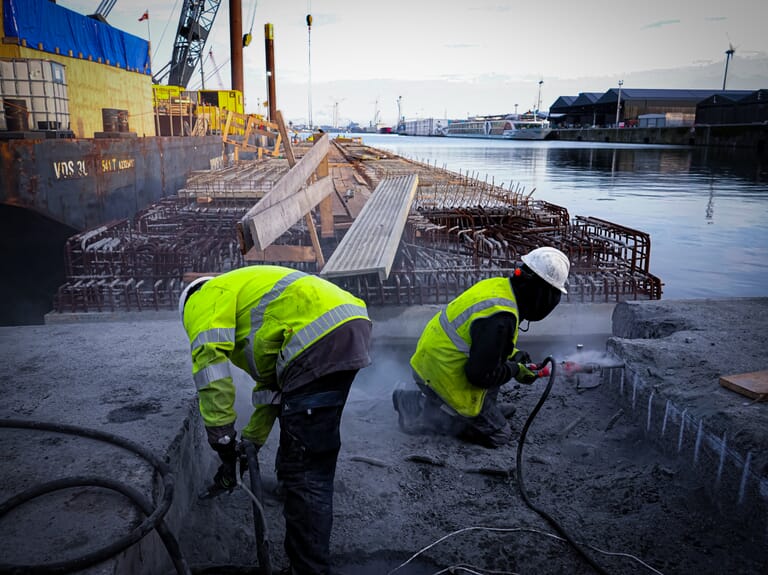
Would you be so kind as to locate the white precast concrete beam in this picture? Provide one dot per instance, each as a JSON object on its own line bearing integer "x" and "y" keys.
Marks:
{"x": 371, "y": 243}
{"x": 287, "y": 202}
{"x": 271, "y": 222}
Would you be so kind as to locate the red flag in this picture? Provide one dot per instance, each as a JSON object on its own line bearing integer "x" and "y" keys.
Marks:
{"x": 144, "y": 16}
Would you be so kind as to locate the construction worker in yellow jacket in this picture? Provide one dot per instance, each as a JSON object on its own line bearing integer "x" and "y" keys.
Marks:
{"x": 468, "y": 351}
{"x": 302, "y": 339}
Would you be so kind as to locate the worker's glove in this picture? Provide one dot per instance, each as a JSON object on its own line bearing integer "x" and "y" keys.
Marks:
{"x": 226, "y": 448}
{"x": 520, "y": 356}
{"x": 225, "y": 477}
{"x": 522, "y": 374}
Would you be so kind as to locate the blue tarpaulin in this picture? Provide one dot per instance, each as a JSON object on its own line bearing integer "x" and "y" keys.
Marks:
{"x": 41, "y": 22}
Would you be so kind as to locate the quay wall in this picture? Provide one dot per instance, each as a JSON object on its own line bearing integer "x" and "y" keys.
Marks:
{"x": 86, "y": 182}
{"x": 754, "y": 136}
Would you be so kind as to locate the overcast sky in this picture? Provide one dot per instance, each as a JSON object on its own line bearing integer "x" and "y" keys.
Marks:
{"x": 455, "y": 58}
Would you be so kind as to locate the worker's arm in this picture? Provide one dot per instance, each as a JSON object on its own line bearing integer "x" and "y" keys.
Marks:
{"x": 210, "y": 323}
{"x": 492, "y": 344}
{"x": 260, "y": 424}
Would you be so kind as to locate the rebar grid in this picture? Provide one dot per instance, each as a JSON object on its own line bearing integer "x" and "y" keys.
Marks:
{"x": 140, "y": 266}
{"x": 444, "y": 251}
{"x": 245, "y": 180}
{"x": 460, "y": 230}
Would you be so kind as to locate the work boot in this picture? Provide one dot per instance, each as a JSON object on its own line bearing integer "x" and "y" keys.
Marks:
{"x": 491, "y": 439}
{"x": 408, "y": 405}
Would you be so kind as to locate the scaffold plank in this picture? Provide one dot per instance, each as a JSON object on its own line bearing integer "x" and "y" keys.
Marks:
{"x": 371, "y": 243}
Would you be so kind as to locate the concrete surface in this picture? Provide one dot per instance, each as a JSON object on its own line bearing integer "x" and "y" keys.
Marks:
{"x": 615, "y": 479}
{"x": 130, "y": 379}
{"x": 676, "y": 352}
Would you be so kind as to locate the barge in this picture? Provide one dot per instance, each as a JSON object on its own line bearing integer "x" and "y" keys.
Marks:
{"x": 431, "y": 234}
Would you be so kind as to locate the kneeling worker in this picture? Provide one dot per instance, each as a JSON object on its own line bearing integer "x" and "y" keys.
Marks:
{"x": 468, "y": 351}
{"x": 302, "y": 339}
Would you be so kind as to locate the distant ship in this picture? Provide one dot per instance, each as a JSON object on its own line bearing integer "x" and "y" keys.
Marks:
{"x": 509, "y": 127}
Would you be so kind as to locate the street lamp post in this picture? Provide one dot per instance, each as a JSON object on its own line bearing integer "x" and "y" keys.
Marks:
{"x": 618, "y": 104}
{"x": 538, "y": 100}
{"x": 309, "y": 68}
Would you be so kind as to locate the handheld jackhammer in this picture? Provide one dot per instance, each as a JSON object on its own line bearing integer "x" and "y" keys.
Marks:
{"x": 574, "y": 368}
{"x": 247, "y": 460}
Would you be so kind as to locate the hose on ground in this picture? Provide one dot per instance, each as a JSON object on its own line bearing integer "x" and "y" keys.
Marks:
{"x": 521, "y": 482}
{"x": 154, "y": 516}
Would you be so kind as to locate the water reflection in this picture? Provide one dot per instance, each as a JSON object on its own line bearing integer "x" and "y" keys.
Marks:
{"x": 710, "y": 204}
{"x": 669, "y": 192}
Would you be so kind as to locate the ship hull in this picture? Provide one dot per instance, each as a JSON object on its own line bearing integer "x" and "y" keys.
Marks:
{"x": 498, "y": 128}
{"x": 83, "y": 183}
{"x": 517, "y": 135}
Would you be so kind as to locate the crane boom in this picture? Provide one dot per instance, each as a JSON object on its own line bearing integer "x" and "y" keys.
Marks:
{"x": 195, "y": 23}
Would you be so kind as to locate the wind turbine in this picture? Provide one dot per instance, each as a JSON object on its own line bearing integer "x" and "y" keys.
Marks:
{"x": 728, "y": 55}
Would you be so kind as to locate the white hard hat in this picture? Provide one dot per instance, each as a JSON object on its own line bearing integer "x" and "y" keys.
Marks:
{"x": 194, "y": 284}
{"x": 550, "y": 264}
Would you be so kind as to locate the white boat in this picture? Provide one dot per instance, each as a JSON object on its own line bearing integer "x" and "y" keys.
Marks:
{"x": 509, "y": 127}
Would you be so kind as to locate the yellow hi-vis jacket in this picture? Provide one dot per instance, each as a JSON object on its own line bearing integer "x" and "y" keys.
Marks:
{"x": 443, "y": 348}
{"x": 260, "y": 318}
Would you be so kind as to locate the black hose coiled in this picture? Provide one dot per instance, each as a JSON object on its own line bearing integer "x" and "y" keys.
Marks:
{"x": 521, "y": 483}
{"x": 154, "y": 516}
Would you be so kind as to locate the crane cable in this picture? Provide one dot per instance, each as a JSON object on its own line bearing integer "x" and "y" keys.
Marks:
{"x": 309, "y": 64}
{"x": 167, "y": 23}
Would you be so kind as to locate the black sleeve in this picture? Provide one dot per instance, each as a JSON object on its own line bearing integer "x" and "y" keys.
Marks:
{"x": 491, "y": 345}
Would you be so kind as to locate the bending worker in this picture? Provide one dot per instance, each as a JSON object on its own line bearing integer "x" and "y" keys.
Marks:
{"x": 302, "y": 339}
{"x": 467, "y": 352}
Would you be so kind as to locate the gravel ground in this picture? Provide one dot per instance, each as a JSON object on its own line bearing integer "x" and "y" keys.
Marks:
{"x": 442, "y": 503}
{"x": 592, "y": 457}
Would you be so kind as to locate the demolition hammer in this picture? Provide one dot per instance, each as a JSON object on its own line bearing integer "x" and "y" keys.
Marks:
{"x": 247, "y": 460}
{"x": 570, "y": 368}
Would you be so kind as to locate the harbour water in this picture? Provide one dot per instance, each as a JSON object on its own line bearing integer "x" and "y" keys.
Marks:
{"x": 706, "y": 210}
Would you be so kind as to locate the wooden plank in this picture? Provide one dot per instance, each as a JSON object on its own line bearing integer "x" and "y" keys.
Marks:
{"x": 281, "y": 253}
{"x": 326, "y": 217}
{"x": 287, "y": 141}
{"x": 227, "y": 125}
{"x": 270, "y": 223}
{"x": 754, "y": 385}
{"x": 189, "y": 276}
{"x": 326, "y": 206}
{"x": 248, "y": 128}
{"x": 313, "y": 236}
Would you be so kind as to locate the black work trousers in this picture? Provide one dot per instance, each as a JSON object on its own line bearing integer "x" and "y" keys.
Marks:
{"x": 489, "y": 428}
{"x": 306, "y": 466}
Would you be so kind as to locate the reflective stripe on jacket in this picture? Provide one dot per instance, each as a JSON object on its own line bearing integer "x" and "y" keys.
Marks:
{"x": 260, "y": 318}
{"x": 443, "y": 348}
